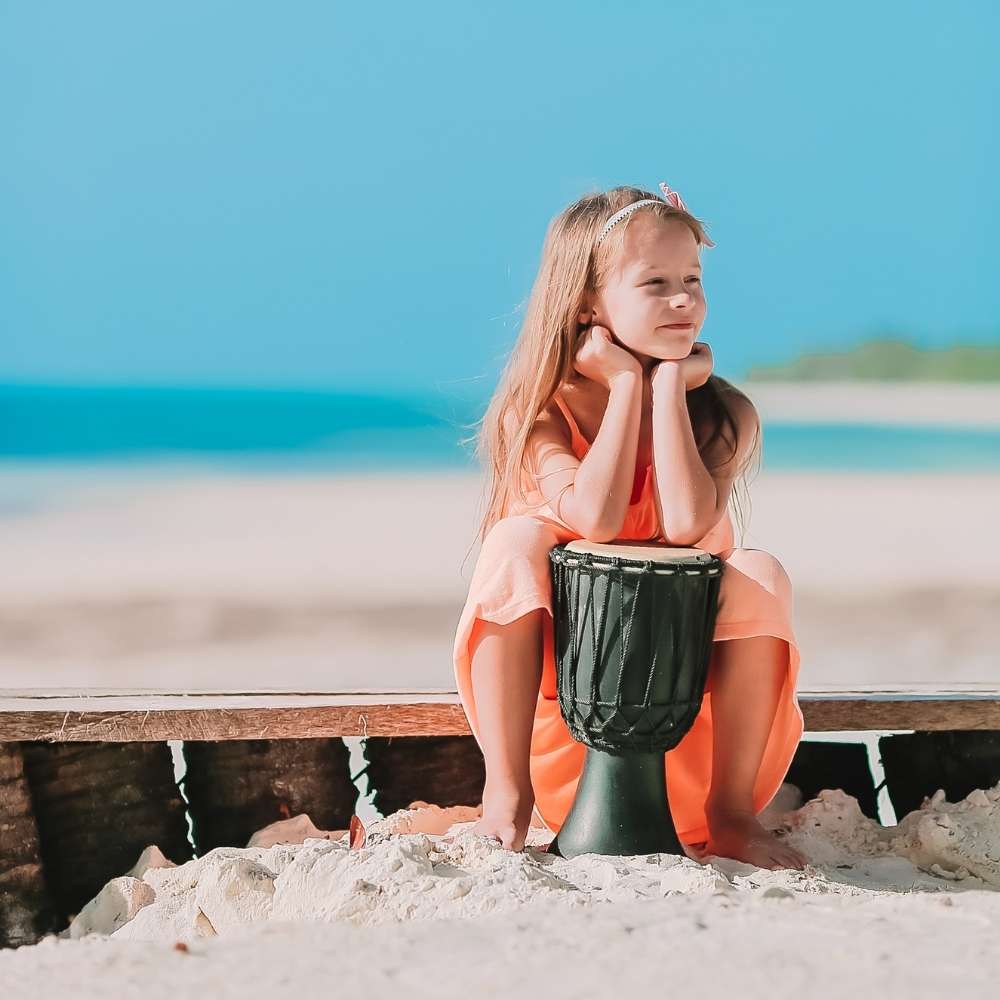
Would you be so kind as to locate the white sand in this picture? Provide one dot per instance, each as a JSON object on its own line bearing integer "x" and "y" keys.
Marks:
{"x": 425, "y": 907}
{"x": 210, "y": 582}
{"x": 949, "y": 404}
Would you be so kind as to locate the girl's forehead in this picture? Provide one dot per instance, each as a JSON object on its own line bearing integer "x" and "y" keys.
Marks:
{"x": 658, "y": 238}
{"x": 657, "y": 243}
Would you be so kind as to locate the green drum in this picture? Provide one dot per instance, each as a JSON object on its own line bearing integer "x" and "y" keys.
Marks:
{"x": 633, "y": 627}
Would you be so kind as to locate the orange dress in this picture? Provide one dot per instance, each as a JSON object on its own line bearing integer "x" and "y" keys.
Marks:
{"x": 512, "y": 577}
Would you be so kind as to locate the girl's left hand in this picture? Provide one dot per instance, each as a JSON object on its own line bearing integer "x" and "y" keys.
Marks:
{"x": 693, "y": 370}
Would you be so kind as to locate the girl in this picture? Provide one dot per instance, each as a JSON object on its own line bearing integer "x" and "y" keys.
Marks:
{"x": 608, "y": 424}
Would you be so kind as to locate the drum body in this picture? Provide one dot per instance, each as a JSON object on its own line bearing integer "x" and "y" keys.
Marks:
{"x": 633, "y": 628}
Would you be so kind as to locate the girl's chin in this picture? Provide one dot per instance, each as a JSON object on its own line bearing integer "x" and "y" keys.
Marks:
{"x": 662, "y": 355}
{"x": 660, "y": 351}
{"x": 672, "y": 348}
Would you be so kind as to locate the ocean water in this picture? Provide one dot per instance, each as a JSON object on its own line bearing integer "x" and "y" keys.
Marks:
{"x": 156, "y": 430}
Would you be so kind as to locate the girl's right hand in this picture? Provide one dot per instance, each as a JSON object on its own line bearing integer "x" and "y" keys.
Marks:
{"x": 599, "y": 358}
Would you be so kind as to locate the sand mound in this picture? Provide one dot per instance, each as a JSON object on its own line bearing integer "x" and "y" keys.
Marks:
{"x": 425, "y": 863}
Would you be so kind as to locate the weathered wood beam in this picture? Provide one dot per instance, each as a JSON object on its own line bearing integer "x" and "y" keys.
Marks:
{"x": 156, "y": 716}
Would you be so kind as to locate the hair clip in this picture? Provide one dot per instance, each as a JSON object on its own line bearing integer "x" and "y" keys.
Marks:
{"x": 670, "y": 196}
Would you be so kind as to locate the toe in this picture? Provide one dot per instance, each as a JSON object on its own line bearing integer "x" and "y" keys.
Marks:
{"x": 797, "y": 855}
{"x": 795, "y": 860}
{"x": 779, "y": 859}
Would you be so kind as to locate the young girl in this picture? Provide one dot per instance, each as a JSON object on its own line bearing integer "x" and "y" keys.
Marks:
{"x": 608, "y": 424}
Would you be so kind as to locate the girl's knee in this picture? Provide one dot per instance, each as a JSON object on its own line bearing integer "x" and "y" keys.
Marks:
{"x": 765, "y": 568}
{"x": 519, "y": 534}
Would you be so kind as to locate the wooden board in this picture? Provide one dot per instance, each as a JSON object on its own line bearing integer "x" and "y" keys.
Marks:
{"x": 123, "y": 716}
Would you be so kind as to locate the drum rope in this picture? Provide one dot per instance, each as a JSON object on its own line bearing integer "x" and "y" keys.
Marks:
{"x": 646, "y": 698}
{"x": 589, "y": 726}
{"x": 574, "y": 620}
{"x": 596, "y": 639}
{"x": 626, "y": 636}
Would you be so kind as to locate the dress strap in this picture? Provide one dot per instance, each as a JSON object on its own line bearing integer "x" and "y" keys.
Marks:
{"x": 574, "y": 429}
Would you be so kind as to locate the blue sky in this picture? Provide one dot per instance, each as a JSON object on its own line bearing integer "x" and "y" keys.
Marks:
{"x": 332, "y": 194}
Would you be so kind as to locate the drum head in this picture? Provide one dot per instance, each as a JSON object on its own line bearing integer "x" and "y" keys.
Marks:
{"x": 655, "y": 552}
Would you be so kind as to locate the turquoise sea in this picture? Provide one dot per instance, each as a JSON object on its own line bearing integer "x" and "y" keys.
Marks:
{"x": 309, "y": 431}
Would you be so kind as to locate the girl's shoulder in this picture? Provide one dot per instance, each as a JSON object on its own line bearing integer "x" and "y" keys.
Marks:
{"x": 585, "y": 407}
{"x": 567, "y": 411}
{"x": 548, "y": 427}
{"x": 552, "y": 423}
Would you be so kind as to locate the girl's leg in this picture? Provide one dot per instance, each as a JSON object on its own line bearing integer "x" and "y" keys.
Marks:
{"x": 746, "y": 683}
{"x": 506, "y": 674}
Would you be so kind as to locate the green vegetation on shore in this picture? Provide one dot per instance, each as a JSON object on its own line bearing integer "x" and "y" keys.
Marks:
{"x": 889, "y": 358}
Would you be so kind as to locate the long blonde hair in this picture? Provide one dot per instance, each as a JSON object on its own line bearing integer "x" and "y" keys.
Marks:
{"x": 542, "y": 358}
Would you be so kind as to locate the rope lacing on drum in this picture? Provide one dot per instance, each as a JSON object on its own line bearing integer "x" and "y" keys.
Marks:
{"x": 590, "y": 726}
{"x": 624, "y": 645}
{"x": 598, "y": 635}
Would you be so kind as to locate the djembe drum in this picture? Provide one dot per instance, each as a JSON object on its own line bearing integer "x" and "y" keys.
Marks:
{"x": 633, "y": 627}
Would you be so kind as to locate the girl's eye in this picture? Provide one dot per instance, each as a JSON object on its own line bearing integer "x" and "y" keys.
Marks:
{"x": 659, "y": 281}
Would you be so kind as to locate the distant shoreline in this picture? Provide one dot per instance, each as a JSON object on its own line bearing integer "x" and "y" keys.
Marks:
{"x": 890, "y": 357}
{"x": 953, "y": 404}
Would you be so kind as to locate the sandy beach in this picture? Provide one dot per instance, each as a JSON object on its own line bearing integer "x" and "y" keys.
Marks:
{"x": 878, "y": 401}
{"x": 198, "y": 582}
{"x": 310, "y": 582}
{"x": 422, "y": 907}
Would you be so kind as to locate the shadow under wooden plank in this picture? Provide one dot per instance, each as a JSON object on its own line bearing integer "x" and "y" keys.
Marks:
{"x": 821, "y": 764}
{"x": 441, "y": 770}
{"x": 236, "y": 787}
{"x": 98, "y": 806}
{"x": 26, "y": 910}
{"x": 918, "y": 764}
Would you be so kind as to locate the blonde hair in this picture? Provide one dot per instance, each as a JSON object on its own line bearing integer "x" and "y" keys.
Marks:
{"x": 542, "y": 358}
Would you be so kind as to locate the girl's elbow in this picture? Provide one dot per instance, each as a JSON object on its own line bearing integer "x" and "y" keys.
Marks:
{"x": 682, "y": 539}
{"x": 605, "y": 530}
{"x": 592, "y": 524}
{"x": 601, "y": 535}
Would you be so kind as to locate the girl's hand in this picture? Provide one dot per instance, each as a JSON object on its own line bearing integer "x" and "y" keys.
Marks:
{"x": 599, "y": 358}
{"x": 693, "y": 371}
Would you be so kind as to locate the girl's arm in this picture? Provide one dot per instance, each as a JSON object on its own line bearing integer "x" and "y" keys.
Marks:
{"x": 592, "y": 496}
{"x": 690, "y": 500}
{"x": 604, "y": 481}
{"x": 684, "y": 490}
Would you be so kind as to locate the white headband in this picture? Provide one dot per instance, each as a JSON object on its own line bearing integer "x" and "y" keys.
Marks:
{"x": 670, "y": 197}
{"x": 624, "y": 214}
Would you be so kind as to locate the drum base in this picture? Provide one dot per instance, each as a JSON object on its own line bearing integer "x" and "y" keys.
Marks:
{"x": 620, "y": 808}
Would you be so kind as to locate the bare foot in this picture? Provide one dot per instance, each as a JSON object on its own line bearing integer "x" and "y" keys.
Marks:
{"x": 739, "y": 835}
{"x": 506, "y": 814}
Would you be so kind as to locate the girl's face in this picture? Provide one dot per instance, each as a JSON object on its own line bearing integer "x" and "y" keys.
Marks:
{"x": 655, "y": 287}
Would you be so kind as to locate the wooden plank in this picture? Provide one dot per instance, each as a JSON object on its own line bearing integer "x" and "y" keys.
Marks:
{"x": 918, "y": 706}
{"x": 59, "y": 716}
{"x": 832, "y": 715}
{"x": 328, "y": 717}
